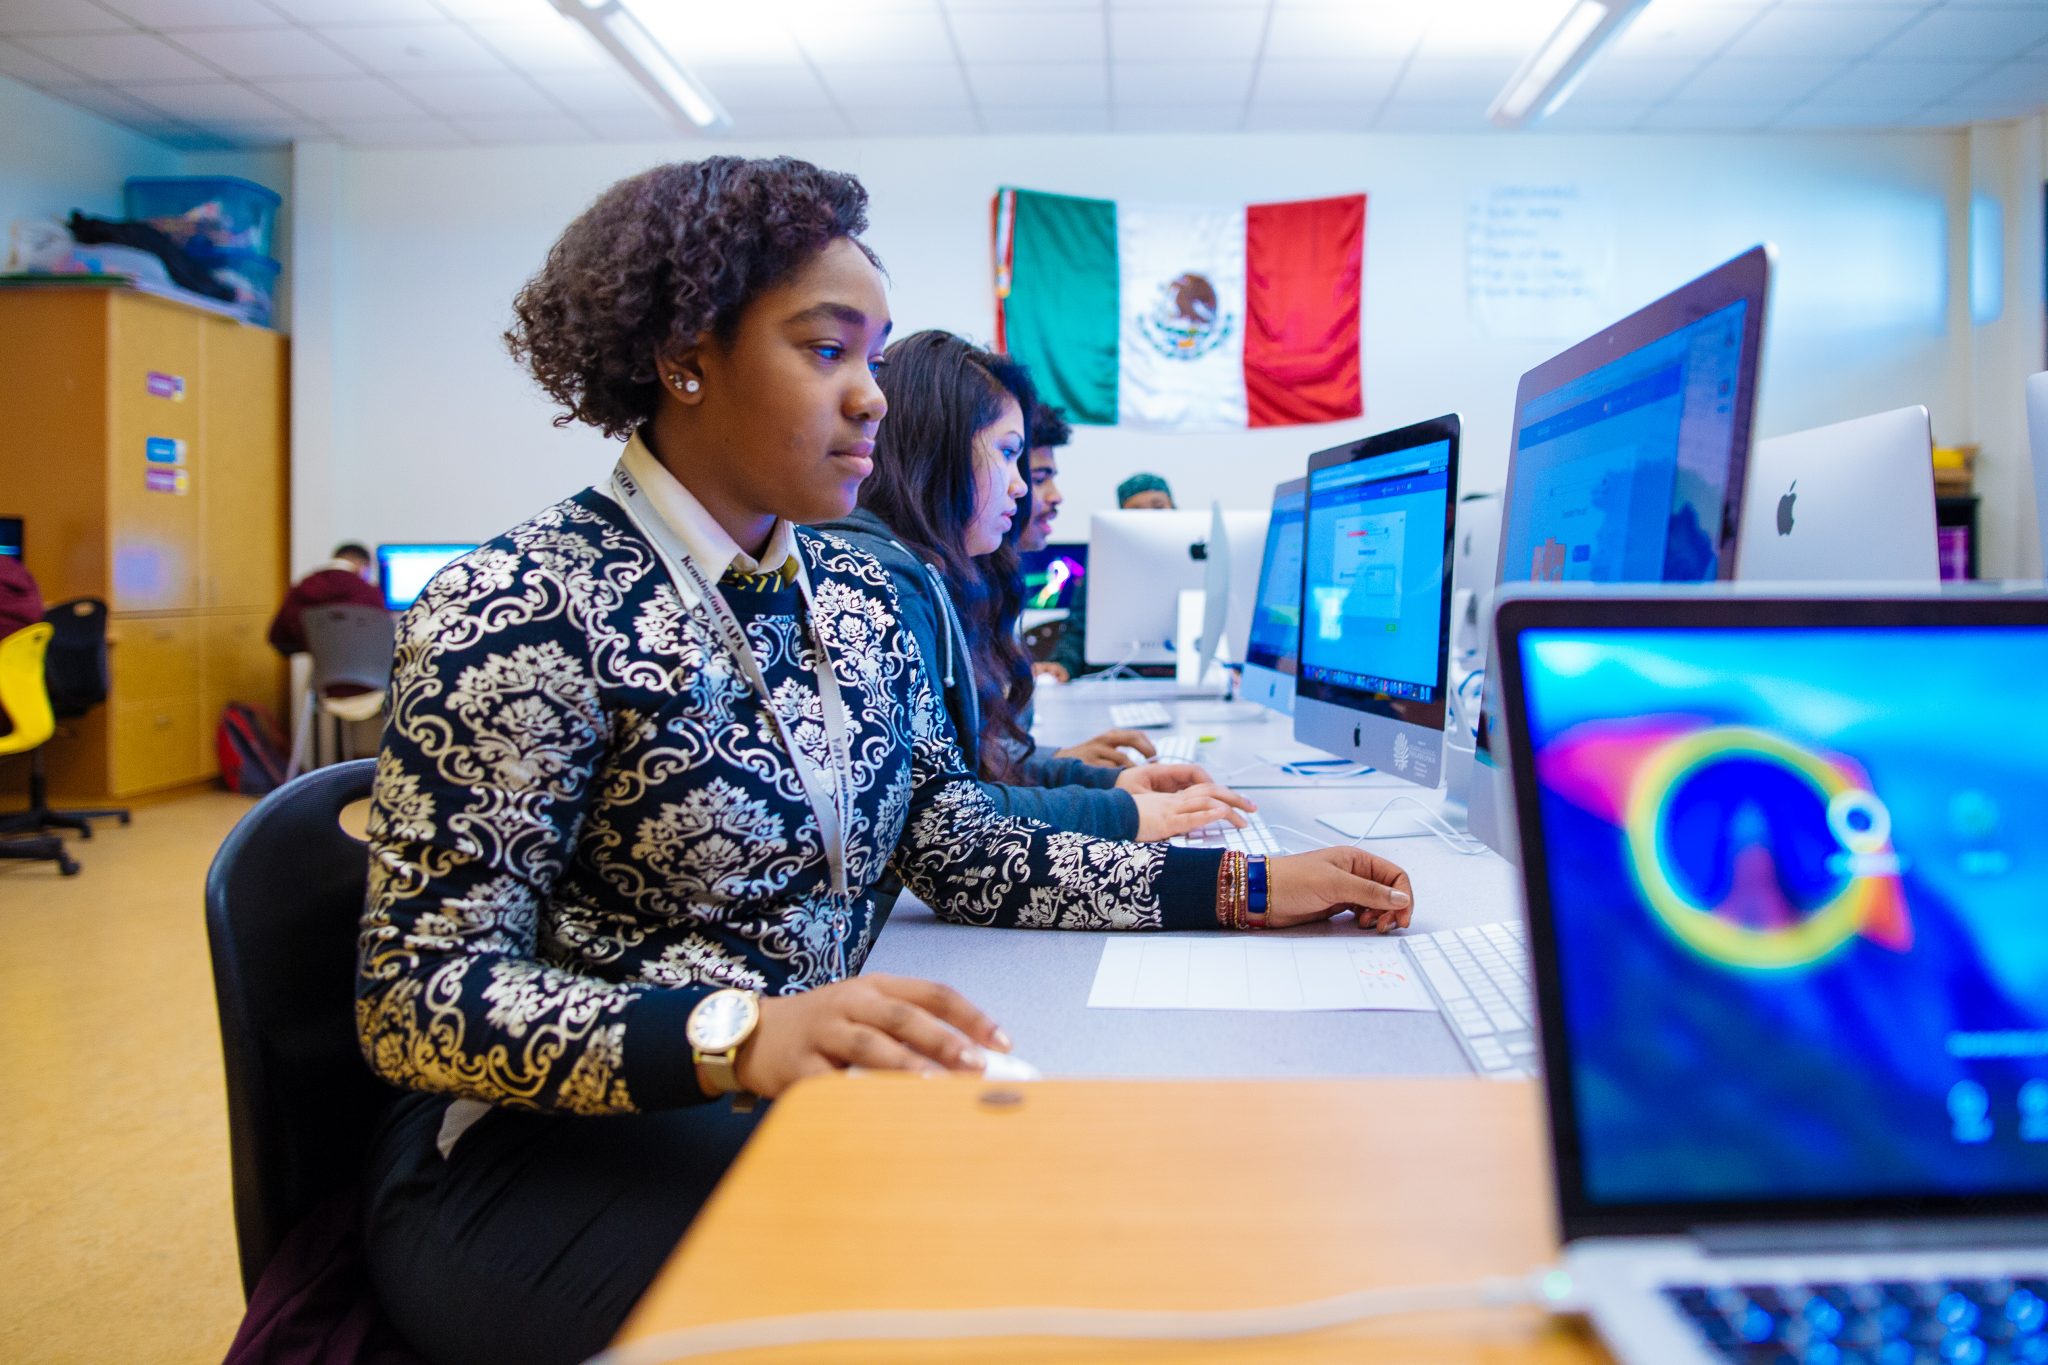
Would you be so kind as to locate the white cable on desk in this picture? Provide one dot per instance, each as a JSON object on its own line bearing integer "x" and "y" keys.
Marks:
{"x": 956, "y": 1324}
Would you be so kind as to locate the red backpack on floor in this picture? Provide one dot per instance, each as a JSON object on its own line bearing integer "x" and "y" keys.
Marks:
{"x": 251, "y": 755}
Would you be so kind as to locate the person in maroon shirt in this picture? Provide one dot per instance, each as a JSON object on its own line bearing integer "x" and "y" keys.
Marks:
{"x": 342, "y": 581}
{"x": 21, "y": 601}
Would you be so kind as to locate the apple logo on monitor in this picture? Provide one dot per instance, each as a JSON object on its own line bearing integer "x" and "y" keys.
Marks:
{"x": 1785, "y": 509}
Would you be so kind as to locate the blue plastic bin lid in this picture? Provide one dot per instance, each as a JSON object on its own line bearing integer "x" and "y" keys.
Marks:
{"x": 234, "y": 182}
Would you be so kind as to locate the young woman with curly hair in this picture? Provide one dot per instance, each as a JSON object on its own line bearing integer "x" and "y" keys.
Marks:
{"x": 942, "y": 513}
{"x": 648, "y": 752}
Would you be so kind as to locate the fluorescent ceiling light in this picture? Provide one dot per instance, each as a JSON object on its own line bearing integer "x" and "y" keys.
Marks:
{"x": 1547, "y": 79}
{"x": 620, "y": 32}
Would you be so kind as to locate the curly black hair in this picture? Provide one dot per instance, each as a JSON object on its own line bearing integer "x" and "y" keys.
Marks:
{"x": 1049, "y": 429}
{"x": 659, "y": 260}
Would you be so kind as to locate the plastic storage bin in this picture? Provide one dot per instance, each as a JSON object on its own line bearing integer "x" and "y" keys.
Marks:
{"x": 253, "y": 276}
{"x": 223, "y": 212}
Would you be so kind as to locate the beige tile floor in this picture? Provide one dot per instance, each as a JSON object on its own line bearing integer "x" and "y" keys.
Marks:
{"x": 116, "y": 1237}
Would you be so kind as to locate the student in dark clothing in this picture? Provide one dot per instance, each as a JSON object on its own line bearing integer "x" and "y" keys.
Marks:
{"x": 342, "y": 581}
{"x": 649, "y": 753}
{"x": 940, "y": 513}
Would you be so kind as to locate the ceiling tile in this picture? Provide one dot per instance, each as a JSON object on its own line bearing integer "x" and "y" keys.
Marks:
{"x": 262, "y": 132}
{"x": 1979, "y": 32}
{"x": 1848, "y": 116}
{"x": 544, "y": 43}
{"x": 251, "y": 54}
{"x": 443, "y": 49}
{"x": 1310, "y": 117}
{"x": 18, "y": 63}
{"x": 700, "y": 34}
{"x": 1981, "y": 110}
{"x": 764, "y": 90}
{"x": 1664, "y": 30}
{"x": 1772, "y": 83}
{"x": 1839, "y": 30}
{"x": 1432, "y": 116}
{"x": 167, "y": 15}
{"x": 1037, "y": 36}
{"x": 1339, "y": 32}
{"x": 58, "y": 16}
{"x": 1490, "y": 28}
{"x": 1883, "y": 82}
{"x": 1713, "y": 118}
{"x": 1189, "y": 83}
{"x": 1044, "y": 6}
{"x": 654, "y": 128}
{"x": 804, "y": 123}
{"x": 358, "y": 99}
{"x": 417, "y": 132}
{"x": 522, "y": 129}
{"x": 1071, "y": 118}
{"x": 845, "y": 34}
{"x": 1019, "y": 83}
{"x": 598, "y": 93}
{"x": 193, "y": 101}
{"x": 1472, "y": 81}
{"x": 465, "y": 96}
{"x": 905, "y": 123}
{"x": 121, "y": 57}
{"x": 924, "y": 85}
{"x": 1612, "y": 80}
{"x": 321, "y": 13}
{"x": 1177, "y": 118}
{"x": 1152, "y": 35}
{"x": 108, "y": 102}
{"x": 2014, "y": 81}
{"x": 1336, "y": 83}
{"x": 1581, "y": 115}
{"x": 1187, "y": 4}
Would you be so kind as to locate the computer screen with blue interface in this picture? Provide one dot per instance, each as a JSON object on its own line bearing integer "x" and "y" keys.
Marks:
{"x": 1373, "y": 596}
{"x": 1621, "y": 475}
{"x": 1052, "y": 575}
{"x": 1801, "y": 934}
{"x": 405, "y": 570}
{"x": 1276, "y": 617}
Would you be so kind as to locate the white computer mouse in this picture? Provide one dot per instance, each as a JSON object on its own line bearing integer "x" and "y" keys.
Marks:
{"x": 1004, "y": 1066}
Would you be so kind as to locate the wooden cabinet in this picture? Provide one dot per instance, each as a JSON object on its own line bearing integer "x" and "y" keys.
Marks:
{"x": 145, "y": 445}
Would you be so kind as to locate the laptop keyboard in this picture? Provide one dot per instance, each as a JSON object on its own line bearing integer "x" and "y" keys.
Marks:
{"x": 1253, "y": 838}
{"x": 1480, "y": 975}
{"x": 1139, "y": 715}
{"x": 1915, "y": 1322}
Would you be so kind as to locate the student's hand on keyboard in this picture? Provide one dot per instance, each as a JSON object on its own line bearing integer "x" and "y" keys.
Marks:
{"x": 1164, "y": 777}
{"x": 1162, "y": 815}
{"x": 1302, "y": 888}
{"x": 874, "y": 1021}
{"x": 1106, "y": 750}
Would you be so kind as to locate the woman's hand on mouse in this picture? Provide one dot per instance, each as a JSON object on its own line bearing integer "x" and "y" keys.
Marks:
{"x": 875, "y": 1021}
{"x": 1302, "y": 888}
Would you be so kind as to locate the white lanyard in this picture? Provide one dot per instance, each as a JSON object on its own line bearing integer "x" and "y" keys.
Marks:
{"x": 696, "y": 591}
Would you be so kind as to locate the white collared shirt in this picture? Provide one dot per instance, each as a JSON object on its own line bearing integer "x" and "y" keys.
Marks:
{"x": 708, "y": 543}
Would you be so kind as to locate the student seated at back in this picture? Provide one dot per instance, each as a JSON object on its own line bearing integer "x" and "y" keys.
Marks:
{"x": 343, "y": 581}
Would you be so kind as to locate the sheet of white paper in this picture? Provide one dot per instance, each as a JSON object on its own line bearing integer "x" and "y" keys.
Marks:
{"x": 1290, "y": 974}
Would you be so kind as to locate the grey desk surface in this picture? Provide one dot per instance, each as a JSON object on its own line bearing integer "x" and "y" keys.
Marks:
{"x": 1035, "y": 982}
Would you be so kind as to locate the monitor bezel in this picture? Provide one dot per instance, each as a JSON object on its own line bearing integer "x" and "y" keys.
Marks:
{"x": 456, "y": 548}
{"x": 1421, "y": 715}
{"x": 1580, "y": 1216}
{"x": 1273, "y": 663}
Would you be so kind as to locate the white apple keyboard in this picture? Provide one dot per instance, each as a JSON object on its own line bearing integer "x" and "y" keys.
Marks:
{"x": 1176, "y": 748}
{"x": 1254, "y": 838}
{"x": 1004, "y": 1066}
{"x": 1140, "y": 715}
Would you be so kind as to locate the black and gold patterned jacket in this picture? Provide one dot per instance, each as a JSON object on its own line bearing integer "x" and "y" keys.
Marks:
{"x": 584, "y": 821}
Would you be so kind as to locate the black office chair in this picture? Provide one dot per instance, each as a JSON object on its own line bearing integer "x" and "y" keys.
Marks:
{"x": 75, "y": 672}
{"x": 282, "y": 903}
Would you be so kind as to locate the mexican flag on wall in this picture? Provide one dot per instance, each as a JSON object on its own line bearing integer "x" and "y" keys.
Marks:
{"x": 1188, "y": 319}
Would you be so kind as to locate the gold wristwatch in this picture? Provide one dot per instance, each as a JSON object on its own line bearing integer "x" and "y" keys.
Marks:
{"x": 718, "y": 1027}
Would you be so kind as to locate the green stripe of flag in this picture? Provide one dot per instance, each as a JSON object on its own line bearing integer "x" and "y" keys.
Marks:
{"x": 1061, "y": 317}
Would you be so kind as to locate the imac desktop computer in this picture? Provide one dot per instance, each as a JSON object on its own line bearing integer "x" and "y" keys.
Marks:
{"x": 1236, "y": 542}
{"x": 1139, "y": 564}
{"x": 1376, "y": 599}
{"x": 1273, "y": 641}
{"x": 1627, "y": 464}
{"x": 404, "y": 570}
{"x": 11, "y": 529}
{"x": 1848, "y": 503}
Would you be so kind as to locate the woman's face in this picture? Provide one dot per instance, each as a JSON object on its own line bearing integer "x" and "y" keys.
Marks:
{"x": 787, "y": 413}
{"x": 998, "y": 483}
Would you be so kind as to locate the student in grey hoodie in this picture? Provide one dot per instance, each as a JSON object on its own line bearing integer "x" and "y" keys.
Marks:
{"x": 939, "y": 513}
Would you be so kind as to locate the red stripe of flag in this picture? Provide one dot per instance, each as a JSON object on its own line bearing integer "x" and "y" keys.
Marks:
{"x": 1304, "y": 264}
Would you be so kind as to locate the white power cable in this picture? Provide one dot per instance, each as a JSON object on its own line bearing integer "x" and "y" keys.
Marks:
{"x": 1103, "y": 1324}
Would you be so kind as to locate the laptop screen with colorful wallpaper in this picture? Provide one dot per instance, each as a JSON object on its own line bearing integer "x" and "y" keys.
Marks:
{"x": 1797, "y": 896}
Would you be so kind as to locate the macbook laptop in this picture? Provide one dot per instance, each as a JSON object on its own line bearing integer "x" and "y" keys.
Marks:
{"x": 1848, "y": 503}
{"x": 1788, "y": 913}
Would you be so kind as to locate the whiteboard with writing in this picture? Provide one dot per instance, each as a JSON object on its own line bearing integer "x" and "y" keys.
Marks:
{"x": 1539, "y": 262}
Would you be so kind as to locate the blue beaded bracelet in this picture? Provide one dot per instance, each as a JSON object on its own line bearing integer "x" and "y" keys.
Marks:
{"x": 1255, "y": 885}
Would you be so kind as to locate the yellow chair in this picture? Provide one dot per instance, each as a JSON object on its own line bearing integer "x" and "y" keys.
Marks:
{"x": 26, "y": 702}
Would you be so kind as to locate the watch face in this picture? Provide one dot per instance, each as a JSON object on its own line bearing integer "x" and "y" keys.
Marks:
{"x": 722, "y": 1020}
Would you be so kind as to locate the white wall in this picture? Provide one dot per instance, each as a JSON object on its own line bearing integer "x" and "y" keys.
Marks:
{"x": 55, "y": 158}
{"x": 437, "y": 435}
